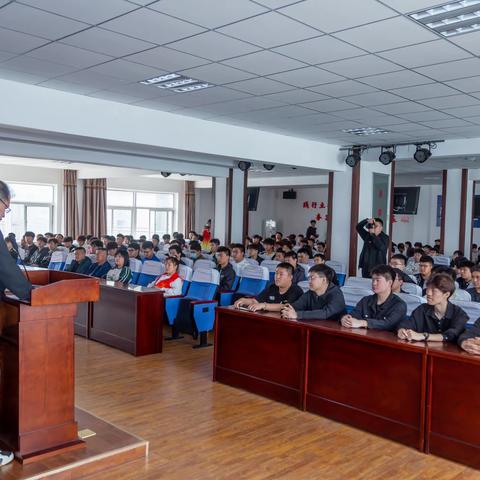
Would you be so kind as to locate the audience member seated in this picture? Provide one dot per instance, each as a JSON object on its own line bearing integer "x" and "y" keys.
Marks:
{"x": 52, "y": 247}
{"x": 196, "y": 251}
{"x": 169, "y": 282}
{"x": 474, "y": 291}
{"x": 81, "y": 264}
{"x": 149, "y": 252}
{"x": 413, "y": 263}
{"x": 465, "y": 271}
{"x": 176, "y": 251}
{"x": 399, "y": 262}
{"x": 227, "y": 272}
{"x": 156, "y": 242}
{"x": 278, "y": 237}
{"x": 193, "y": 236}
{"x": 319, "y": 258}
{"x": 286, "y": 245}
{"x": 469, "y": 340}
{"x": 457, "y": 258}
{"x": 165, "y": 241}
{"x": 134, "y": 251}
{"x": 279, "y": 255}
{"x": 474, "y": 253}
{"x": 401, "y": 249}
{"x": 398, "y": 282}
{"x": 299, "y": 274}
{"x": 383, "y": 310}
{"x": 68, "y": 244}
{"x": 41, "y": 253}
{"x": 120, "y": 239}
{"x": 121, "y": 272}
{"x": 29, "y": 247}
{"x": 112, "y": 248}
{"x": 101, "y": 267}
{"x": 238, "y": 255}
{"x": 81, "y": 240}
{"x": 213, "y": 245}
{"x": 425, "y": 271}
{"x": 11, "y": 249}
{"x": 438, "y": 320}
{"x": 303, "y": 255}
{"x": 253, "y": 253}
{"x": 276, "y": 295}
{"x": 95, "y": 245}
{"x": 323, "y": 301}
{"x": 269, "y": 249}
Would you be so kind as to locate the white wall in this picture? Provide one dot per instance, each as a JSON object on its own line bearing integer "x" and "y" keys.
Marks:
{"x": 204, "y": 207}
{"x": 421, "y": 227}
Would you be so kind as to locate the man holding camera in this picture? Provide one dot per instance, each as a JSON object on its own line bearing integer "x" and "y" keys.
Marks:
{"x": 375, "y": 246}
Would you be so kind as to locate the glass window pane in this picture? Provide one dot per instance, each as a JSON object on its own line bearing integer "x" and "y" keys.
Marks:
{"x": 143, "y": 222}
{"x": 32, "y": 193}
{"x": 14, "y": 221}
{"x": 118, "y": 198}
{"x": 122, "y": 222}
{"x": 109, "y": 222}
{"x": 161, "y": 223}
{"x": 39, "y": 219}
{"x": 155, "y": 200}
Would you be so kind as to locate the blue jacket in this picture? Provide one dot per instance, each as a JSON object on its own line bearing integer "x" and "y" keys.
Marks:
{"x": 99, "y": 271}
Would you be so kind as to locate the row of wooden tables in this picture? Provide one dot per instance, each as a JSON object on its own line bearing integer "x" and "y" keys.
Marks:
{"x": 424, "y": 396}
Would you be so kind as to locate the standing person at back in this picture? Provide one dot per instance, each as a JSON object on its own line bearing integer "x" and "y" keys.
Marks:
{"x": 375, "y": 245}
{"x": 311, "y": 230}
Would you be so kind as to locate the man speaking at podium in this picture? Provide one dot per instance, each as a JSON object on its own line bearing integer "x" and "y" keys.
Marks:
{"x": 11, "y": 278}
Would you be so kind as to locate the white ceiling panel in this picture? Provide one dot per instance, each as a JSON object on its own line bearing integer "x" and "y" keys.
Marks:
{"x": 470, "y": 42}
{"x": 361, "y": 66}
{"x": 319, "y": 50}
{"x": 152, "y": 26}
{"x": 67, "y": 86}
{"x": 107, "y": 42}
{"x": 425, "y": 116}
{"x": 461, "y": 112}
{"x": 6, "y": 56}
{"x": 243, "y": 105}
{"x": 129, "y": 71}
{"x": 386, "y": 34}
{"x": 375, "y": 98}
{"x": 68, "y": 55}
{"x": 209, "y": 13}
{"x": 297, "y": 95}
{"x": 37, "y": 22}
{"x": 428, "y": 53}
{"x": 402, "y": 78}
{"x": 166, "y": 59}
{"x": 343, "y": 89}
{"x": 327, "y": 106}
{"x": 449, "y": 123}
{"x": 264, "y": 63}
{"x": 114, "y": 96}
{"x": 22, "y": 77}
{"x": 430, "y": 90}
{"x": 407, "y": 6}
{"x": 269, "y": 30}
{"x": 306, "y": 77}
{"x": 214, "y": 46}
{"x": 276, "y": 3}
{"x": 16, "y": 42}
{"x": 467, "y": 85}
{"x": 34, "y": 66}
{"x": 88, "y": 11}
{"x": 136, "y": 90}
{"x": 452, "y": 70}
{"x": 217, "y": 73}
{"x": 260, "y": 86}
{"x": 402, "y": 107}
{"x": 333, "y": 15}
{"x": 452, "y": 101}
{"x": 94, "y": 80}
{"x": 356, "y": 113}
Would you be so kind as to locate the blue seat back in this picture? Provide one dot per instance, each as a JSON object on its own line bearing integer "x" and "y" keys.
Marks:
{"x": 69, "y": 260}
{"x": 254, "y": 279}
{"x": 136, "y": 268}
{"x": 186, "y": 275}
{"x": 151, "y": 269}
{"x": 353, "y": 295}
{"x": 57, "y": 260}
{"x": 204, "y": 284}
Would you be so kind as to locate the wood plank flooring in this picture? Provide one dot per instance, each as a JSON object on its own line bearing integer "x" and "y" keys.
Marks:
{"x": 198, "y": 429}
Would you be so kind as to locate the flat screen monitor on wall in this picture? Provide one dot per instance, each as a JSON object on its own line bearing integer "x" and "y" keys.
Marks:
{"x": 253, "y": 194}
{"x": 405, "y": 200}
{"x": 476, "y": 207}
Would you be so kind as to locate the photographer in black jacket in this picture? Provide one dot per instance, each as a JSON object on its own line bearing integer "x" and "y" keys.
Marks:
{"x": 375, "y": 246}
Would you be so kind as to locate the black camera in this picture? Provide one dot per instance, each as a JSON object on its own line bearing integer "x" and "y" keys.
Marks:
{"x": 370, "y": 226}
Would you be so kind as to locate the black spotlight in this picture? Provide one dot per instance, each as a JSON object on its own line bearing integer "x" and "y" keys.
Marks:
{"x": 244, "y": 166}
{"x": 387, "y": 156}
{"x": 165, "y": 174}
{"x": 268, "y": 166}
{"x": 353, "y": 157}
{"x": 422, "y": 154}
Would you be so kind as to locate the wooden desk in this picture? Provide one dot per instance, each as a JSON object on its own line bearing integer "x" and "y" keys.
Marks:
{"x": 367, "y": 379}
{"x": 453, "y": 406}
{"x": 262, "y": 353}
{"x": 128, "y": 318}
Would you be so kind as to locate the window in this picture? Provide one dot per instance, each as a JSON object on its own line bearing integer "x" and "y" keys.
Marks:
{"x": 32, "y": 209}
{"x": 140, "y": 213}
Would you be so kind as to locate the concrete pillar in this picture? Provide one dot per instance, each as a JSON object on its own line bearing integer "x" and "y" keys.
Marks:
{"x": 220, "y": 208}
{"x": 237, "y": 211}
{"x": 452, "y": 211}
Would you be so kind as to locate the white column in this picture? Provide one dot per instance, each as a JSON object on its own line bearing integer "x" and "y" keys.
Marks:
{"x": 452, "y": 210}
{"x": 220, "y": 208}
{"x": 342, "y": 194}
{"x": 238, "y": 181}
{"x": 468, "y": 219}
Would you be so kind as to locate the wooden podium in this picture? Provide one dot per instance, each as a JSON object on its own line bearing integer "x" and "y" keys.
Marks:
{"x": 37, "y": 394}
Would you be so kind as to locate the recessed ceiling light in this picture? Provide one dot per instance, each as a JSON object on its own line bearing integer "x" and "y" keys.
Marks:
{"x": 162, "y": 78}
{"x": 451, "y": 18}
{"x": 191, "y": 88}
{"x": 366, "y": 131}
{"x": 177, "y": 83}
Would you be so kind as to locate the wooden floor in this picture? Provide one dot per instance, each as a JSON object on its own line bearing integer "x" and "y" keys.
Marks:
{"x": 201, "y": 430}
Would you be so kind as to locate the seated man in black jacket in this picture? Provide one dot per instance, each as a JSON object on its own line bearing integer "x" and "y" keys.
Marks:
{"x": 81, "y": 264}
{"x": 299, "y": 274}
{"x": 469, "y": 340}
{"x": 29, "y": 247}
{"x": 227, "y": 272}
{"x": 383, "y": 310}
{"x": 375, "y": 245}
{"x": 425, "y": 267}
{"x": 273, "y": 298}
{"x": 323, "y": 301}
{"x": 40, "y": 253}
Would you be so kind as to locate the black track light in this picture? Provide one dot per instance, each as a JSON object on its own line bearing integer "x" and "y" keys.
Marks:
{"x": 165, "y": 174}
{"x": 353, "y": 157}
{"x": 268, "y": 166}
{"x": 421, "y": 155}
{"x": 387, "y": 156}
{"x": 244, "y": 166}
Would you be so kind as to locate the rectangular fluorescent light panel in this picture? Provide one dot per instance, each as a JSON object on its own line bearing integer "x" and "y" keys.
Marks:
{"x": 191, "y": 88}
{"x": 366, "y": 131}
{"x": 177, "y": 83}
{"x": 452, "y": 18}
{"x": 162, "y": 78}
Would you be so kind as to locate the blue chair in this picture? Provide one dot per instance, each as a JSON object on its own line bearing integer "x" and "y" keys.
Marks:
{"x": 353, "y": 295}
{"x": 253, "y": 279}
{"x": 136, "y": 268}
{"x": 472, "y": 309}
{"x": 203, "y": 264}
{"x": 186, "y": 275}
{"x": 151, "y": 269}
{"x": 271, "y": 265}
{"x": 70, "y": 258}
{"x": 412, "y": 301}
{"x": 57, "y": 260}
{"x": 202, "y": 291}
{"x": 339, "y": 270}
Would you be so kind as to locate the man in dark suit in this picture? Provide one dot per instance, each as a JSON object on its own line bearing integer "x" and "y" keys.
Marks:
{"x": 11, "y": 278}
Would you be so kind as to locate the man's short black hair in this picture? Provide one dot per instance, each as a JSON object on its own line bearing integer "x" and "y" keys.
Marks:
{"x": 42, "y": 239}
{"x": 286, "y": 266}
{"x": 258, "y": 236}
{"x": 215, "y": 241}
{"x": 319, "y": 255}
{"x": 195, "y": 246}
{"x": 97, "y": 243}
{"x": 176, "y": 248}
{"x": 313, "y": 221}
{"x": 29, "y": 234}
{"x": 166, "y": 237}
{"x": 324, "y": 271}
{"x": 291, "y": 254}
{"x": 68, "y": 239}
{"x": 147, "y": 244}
{"x": 81, "y": 249}
{"x": 253, "y": 246}
{"x": 304, "y": 250}
{"x": 82, "y": 238}
{"x": 134, "y": 246}
{"x": 53, "y": 240}
{"x": 155, "y": 236}
{"x": 418, "y": 250}
{"x": 399, "y": 256}
{"x": 239, "y": 246}
{"x": 224, "y": 250}
{"x": 379, "y": 220}
{"x": 466, "y": 264}
{"x": 427, "y": 259}
{"x": 444, "y": 269}
{"x": 269, "y": 241}
{"x": 112, "y": 245}
{"x": 385, "y": 271}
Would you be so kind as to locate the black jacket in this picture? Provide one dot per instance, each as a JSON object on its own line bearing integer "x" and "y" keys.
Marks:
{"x": 311, "y": 231}
{"x": 10, "y": 275}
{"x": 330, "y": 305}
{"x": 29, "y": 252}
{"x": 474, "y": 294}
{"x": 374, "y": 251}
{"x": 227, "y": 277}
{"x": 39, "y": 256}
{"x": 473, "y": 332}
{"x": 82, "y": 267}
{"x": 386, "y": 316}
{"x": 298, "y": 275}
